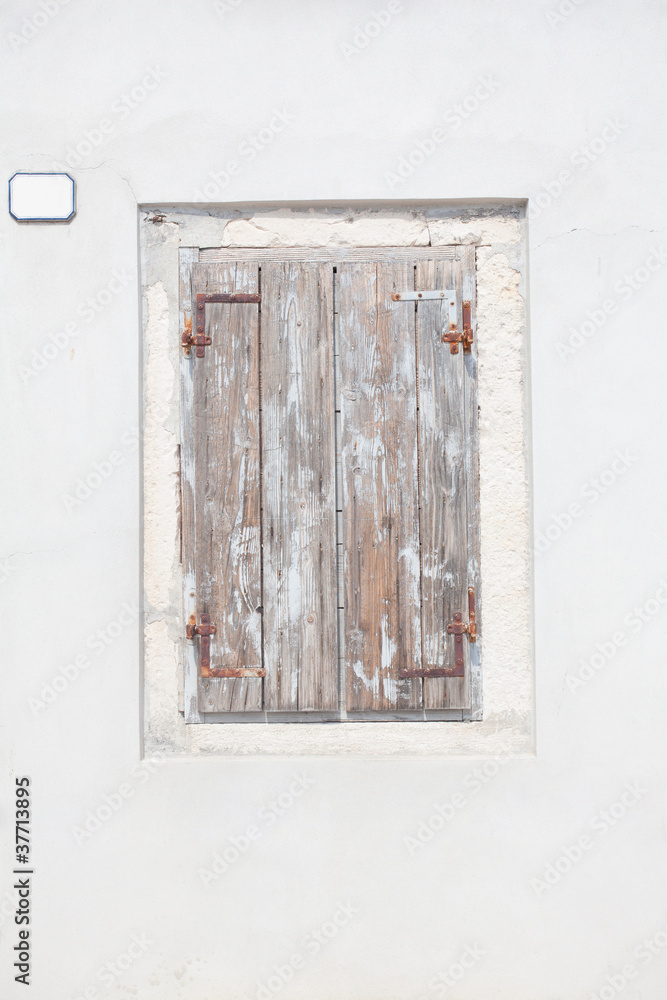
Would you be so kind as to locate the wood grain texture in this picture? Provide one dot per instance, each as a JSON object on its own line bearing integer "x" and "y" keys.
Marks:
{"x": 340, "y": 579}
{"x": 379, "y": 477}
{"x": 442, "y": 480}
{"x": 227, "y": 493}
{"x": 186, "y": 258}
{"x": 333, "y": 254}
{"x": 468, "y": 262}
{"x": 258, "y": 424}
{"x": 298, "y": 470}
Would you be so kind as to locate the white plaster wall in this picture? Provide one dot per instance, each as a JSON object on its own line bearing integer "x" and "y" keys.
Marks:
{"x": 69, "y": 569}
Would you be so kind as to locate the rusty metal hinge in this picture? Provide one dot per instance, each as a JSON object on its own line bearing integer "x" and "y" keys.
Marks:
{"x": 205, "y": 630}
{"x": 199, "y": 339}
{"x": 456, "y": 628}
{"x": 454, "y": 337}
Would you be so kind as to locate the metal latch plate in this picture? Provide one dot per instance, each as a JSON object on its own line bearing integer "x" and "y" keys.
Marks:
{"x": 454, "y": 337}
{"x": 418, "y": 296}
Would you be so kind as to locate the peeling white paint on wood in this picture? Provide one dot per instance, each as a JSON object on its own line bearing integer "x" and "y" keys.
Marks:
{"x": 442, "y": 451}
{"x": 226, "y": 430}
{"x": 379, "y": 463}
{"x": 298, "y": 481}
{"x": 270, "y": 548}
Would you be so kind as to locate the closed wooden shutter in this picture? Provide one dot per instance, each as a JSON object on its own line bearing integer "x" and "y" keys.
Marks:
{"x": 378, "y": 403}
{"x": 330, "y": 370}
{"x": 299, "y": 488}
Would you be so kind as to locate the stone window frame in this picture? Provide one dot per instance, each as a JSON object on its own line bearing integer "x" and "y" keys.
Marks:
{"x": 498, "y": 234}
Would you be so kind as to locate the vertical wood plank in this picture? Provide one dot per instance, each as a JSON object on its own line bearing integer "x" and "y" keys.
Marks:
{"x": 227, "y": 471}
{"x": 298, "y": 470}
{"x": 442, "y": 484}
{"x": 340, "y": 576}
{"x": 379, "y": 477}
{"x": 187, "y": 257}
{"x": 469, "y": 292}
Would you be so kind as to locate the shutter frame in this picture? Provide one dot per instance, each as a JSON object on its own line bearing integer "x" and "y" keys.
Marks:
{"x": 468, "y": 697}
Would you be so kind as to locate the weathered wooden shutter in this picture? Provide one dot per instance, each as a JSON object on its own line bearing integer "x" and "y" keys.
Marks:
{"x": 299, "y": 488}
{"x": 281, "y": 357}
{"x": 408, "y": 438}
{"x": 378, "y": 403}
{"x": 258, "y": 470}
{"x": 224, "y": 536}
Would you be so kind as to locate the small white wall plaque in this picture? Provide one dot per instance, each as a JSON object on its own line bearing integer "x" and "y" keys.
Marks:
{"x": 47, "y": 197}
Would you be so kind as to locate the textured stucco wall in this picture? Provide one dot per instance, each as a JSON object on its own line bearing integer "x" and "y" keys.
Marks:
{"x": 254, "y": 877}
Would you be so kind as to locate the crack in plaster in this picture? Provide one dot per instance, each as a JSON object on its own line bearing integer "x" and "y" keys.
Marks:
{"x": 583, "y": 229}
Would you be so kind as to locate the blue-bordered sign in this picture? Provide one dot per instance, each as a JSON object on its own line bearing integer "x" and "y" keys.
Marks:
{"x": 44, "y": 197}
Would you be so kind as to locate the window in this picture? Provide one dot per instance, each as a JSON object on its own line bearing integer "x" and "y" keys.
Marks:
{"x": 329, "y": 485}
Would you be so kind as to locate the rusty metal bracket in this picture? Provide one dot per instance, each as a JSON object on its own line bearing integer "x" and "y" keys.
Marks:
{"x": 205, "y": 630}
{"x": 456, "y": 628}
{"x": 454, "y": 337}
{"x": 443, "y": 295}
{"x": 234, "y": 672}
{"x": 199, "y": 340}
{"x": 420, "y": 296}
{"x": 431, "y": 672}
